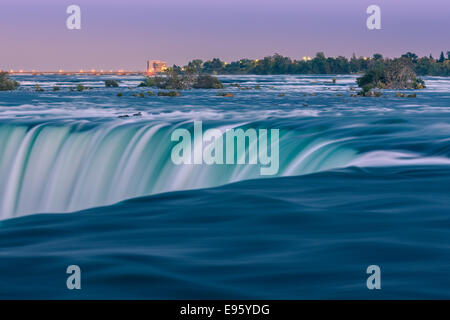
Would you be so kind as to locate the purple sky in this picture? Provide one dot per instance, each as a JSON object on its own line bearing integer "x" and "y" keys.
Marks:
{"x": 123, "y": 34}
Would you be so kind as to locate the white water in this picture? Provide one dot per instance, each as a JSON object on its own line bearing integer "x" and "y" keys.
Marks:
{"x": 60, "y": 168}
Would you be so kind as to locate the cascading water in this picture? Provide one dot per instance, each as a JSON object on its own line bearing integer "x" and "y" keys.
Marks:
{"x": 65, "y": 151}
{"x": 68, "y": 166}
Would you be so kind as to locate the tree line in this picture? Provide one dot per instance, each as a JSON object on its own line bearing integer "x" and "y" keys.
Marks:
{"x": 320, "y": 64}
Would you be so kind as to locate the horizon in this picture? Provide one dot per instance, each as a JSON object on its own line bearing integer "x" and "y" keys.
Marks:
{"x": 143, "y": 70}
{"x": 125, "y": 34}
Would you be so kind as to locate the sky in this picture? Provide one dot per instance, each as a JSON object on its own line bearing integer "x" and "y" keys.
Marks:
{"x": 124, "y": 34}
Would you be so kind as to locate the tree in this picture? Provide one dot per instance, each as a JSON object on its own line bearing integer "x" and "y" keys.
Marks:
{"x": 319, "y": 64}
{"x": 409, "y": 55}
{"x": 278, "y": 64}
{"x": 377, "y": 56}
{"x": 213, "y": 66}
{"x": 442, "y": 57}
{"x": 196, "y": 65}
{"x": 396, "y": 74}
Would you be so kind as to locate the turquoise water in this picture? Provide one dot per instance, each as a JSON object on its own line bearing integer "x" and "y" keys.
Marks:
{"x": 361, "y": 181}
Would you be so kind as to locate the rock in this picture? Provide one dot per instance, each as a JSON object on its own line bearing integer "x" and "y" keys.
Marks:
{"x": 226, "y": 94}
{"x": 111, "y": 84}
{"x": 169, "y": 94}
{"x": 139, "y": 114}
{"x": 412, "y": 95}
{"x": 369, "y": 93}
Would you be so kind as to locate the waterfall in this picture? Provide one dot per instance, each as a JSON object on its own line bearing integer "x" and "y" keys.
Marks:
{"x": 64, "y": 166}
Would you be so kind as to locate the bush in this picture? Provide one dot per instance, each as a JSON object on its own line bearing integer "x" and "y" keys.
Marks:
{"x": 55, "y": 88}
{"x": 174, "y": 79}
{"x": 6, "y": 83}
{"x": 373, "y": 78}
{"x": 148, "y": 82}
{"x": 80, "y": 87}
{"x": 111, "y": 84}
{"x": 206, "y": 81}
